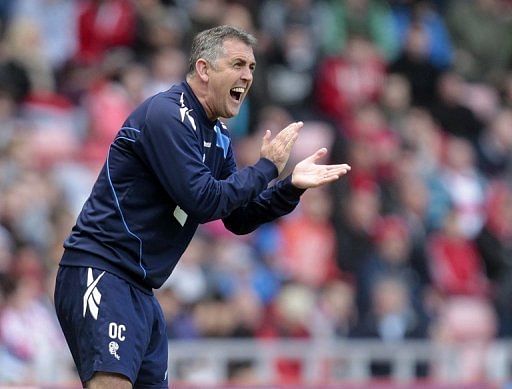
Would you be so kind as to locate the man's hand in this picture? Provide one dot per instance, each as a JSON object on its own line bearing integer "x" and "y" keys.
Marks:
{"x": 278, "y": 149}
{"x": 307, "y": 174}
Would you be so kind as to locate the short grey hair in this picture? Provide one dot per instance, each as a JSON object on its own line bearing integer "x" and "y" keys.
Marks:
{"x": 208, "y": 44}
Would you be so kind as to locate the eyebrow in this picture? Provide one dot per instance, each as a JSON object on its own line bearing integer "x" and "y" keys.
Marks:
{"x": 244, "y": 61}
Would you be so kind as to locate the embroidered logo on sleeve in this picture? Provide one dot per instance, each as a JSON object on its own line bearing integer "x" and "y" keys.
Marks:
{"x": 92, "y": 296}
{"x": 185, "y": 112}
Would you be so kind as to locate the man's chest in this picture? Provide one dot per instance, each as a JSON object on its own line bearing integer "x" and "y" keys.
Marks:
{"x": 213, "y": 153}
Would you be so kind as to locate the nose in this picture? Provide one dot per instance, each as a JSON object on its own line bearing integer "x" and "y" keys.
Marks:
{"x": 247, "y": 74}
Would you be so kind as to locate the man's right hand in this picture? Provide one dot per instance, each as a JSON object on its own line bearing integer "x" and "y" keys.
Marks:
{"x": 278, "y": 149}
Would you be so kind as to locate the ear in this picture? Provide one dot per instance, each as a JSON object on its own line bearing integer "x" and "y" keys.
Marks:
{"x": 202, "y": 68}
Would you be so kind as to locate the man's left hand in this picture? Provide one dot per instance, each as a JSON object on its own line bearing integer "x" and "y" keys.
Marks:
{"x": 307, "y": 174}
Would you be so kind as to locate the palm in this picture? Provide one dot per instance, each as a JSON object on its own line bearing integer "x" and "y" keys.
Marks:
{"x": 308, "y": 174}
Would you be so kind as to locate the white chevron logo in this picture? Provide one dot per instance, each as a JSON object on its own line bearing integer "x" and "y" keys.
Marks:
{"x": 185, "y": 111}
{"x": 92, "y": 295}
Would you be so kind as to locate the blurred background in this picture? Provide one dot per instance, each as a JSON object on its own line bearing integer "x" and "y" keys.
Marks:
{"x": 401, "y": 273}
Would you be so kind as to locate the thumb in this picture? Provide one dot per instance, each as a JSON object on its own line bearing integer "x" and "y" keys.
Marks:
{"x": 317, "y": 155}
{"x": 266, "y": 137}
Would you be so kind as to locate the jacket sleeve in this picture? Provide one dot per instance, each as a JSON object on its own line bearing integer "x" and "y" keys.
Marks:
{"x": 171, "y": 147}
{"x": 274, "y": 202}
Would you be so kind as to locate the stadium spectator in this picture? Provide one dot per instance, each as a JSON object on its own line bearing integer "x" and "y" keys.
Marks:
{"x": 335, "y": 314}
{"x": 102, "y": 26}
{"x": 494, "y": 148}
{"x": 291, "y": 317}
{"x": 355, "y": 215}
{"x": 395, "y": 100}
{"x": 411, "y": 14}
{"x": 158, "y": 27}
{"x": 391, "y": 318}
{"x": 308, "y": 246}
{"x": 108, "y": 102}
{"x": 469, "y": 323}
{"x": 369, "y": 128}
{"x": 349, "y": 79}
{"x": 481, "y": 31}
{"x": 30, "y": 333}
{"x": 465, "y": 184}
{"x": 450, "y": 110}
{"x": 178, "y": 316}
{"x": 413, "y": 197}
{"x": 493, "y": 243}
{"x": 367, "y": 18}
{"x": 454, "y": 261}
{"x": 55, "y": 28}
{"x": 167, "y": 66}
{"x": 392, "y": 257}
{"x": 413, "y": 63}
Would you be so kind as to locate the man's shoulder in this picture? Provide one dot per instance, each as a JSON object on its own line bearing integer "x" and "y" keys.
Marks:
{"x": 166, "y": 103}
{"x": 168, "y": 108}
{"x": 170, "y": 96}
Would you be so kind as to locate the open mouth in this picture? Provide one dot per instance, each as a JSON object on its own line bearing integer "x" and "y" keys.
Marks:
{"x": 237, "y": 92}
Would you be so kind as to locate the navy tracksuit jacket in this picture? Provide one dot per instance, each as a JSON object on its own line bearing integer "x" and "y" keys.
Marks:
{"x": 168, "y": 169}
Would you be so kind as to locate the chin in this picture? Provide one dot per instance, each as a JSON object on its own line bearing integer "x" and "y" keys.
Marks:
{"x": 226, "y": 117}
{"x": 231, "y": 113}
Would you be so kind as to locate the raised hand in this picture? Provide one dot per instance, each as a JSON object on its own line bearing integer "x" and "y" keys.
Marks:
{"x": 307, "y": 174}
{"x": 278, "y": 149}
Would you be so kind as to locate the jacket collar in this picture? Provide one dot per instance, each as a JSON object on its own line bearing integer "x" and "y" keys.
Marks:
{"x": 196, "y": 105}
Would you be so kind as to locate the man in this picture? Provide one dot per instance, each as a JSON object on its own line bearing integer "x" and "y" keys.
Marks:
{"x": 170, "y": 167}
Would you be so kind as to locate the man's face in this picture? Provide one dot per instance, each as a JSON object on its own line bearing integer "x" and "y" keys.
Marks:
{"x": 229, "y": 79}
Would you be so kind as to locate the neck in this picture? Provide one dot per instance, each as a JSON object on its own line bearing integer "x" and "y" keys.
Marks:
{"x": 200, "y": 89}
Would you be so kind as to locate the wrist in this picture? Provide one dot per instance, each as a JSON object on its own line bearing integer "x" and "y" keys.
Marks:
{"x": 293, "y": 186}
{"x": 268, "y": 165}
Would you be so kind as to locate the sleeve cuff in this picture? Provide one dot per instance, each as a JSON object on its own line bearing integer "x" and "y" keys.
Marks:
{"x": 267, "y": 167}
{"x": 291, "y": 190}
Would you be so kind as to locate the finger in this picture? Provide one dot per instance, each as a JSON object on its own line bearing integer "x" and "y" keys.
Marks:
{"x": 289, "y": 135}
{"x": 330, "y": 179}
{"x": 290, "y": 141}
{"x": 339, "y": 172}
{"x": 342, "y": 166}
{"x": 332, "y": 176}
{"x": 332, "y": 172}
{"x": 297, "y": 125}
{"x": 290, "y": 131}
{"x": 325, "y": 180}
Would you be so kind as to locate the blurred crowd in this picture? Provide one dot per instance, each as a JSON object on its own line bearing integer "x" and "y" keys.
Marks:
{"x": 414, "y": 243}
